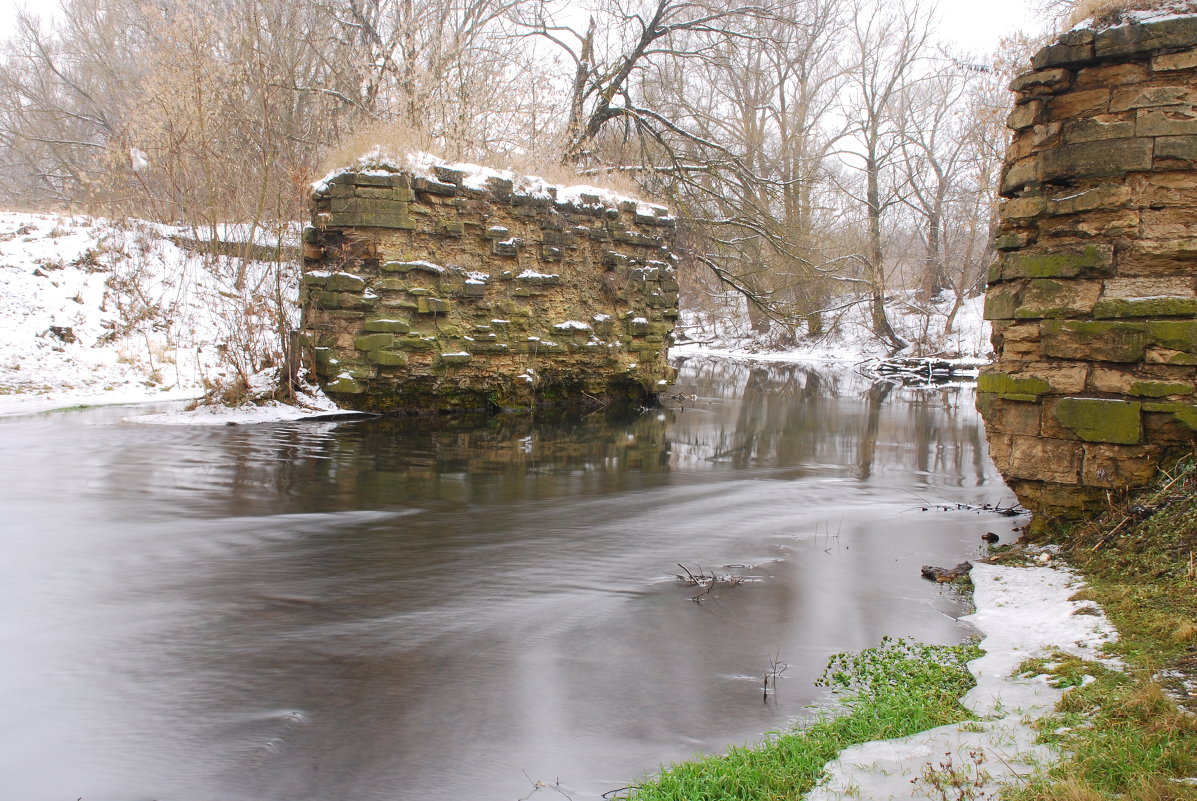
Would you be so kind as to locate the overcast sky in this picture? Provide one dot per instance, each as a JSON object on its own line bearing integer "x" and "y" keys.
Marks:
{"x": 973, "y": 25}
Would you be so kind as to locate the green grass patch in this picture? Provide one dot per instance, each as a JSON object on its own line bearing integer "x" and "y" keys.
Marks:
{"x": 1124, "y": 735}
{"x": 894, "y": 690}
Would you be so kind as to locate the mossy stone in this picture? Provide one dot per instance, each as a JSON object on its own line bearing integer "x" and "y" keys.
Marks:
{"x": 387, "y": 358}
{"x": 1100, "y": 420}
{"x": 1058, "y": 263}
{"x": 1093, "y": 339}
{"x": 345, "y": 386}
{"x": 1174, "y": 334}
{"x": 386, "y": 325}
{"x": 1145, "y": 307}
{"x": 1004, "y": 385}
{"x": 374, "y": 341}
{"x": 1160, "y": 389}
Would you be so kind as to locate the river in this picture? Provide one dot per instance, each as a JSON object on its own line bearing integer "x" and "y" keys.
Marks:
{"x": 409, "y": 609}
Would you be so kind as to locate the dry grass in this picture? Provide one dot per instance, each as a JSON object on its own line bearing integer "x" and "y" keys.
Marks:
{"x": 1108, "y": 13}
{"x": 397, "y": 140}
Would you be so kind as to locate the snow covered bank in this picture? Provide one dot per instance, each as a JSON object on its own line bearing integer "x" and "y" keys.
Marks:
{"x": 96, "y": 312}
{"x": 726, "y": 332}
{"x": 1022, "y": 612}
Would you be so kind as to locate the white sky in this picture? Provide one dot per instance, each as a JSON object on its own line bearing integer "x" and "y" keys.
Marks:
{"x": 973, "y": 25}
{"x": 976, "y": 25}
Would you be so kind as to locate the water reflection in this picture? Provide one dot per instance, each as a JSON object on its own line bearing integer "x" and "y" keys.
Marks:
{"x": 403, "y": 608}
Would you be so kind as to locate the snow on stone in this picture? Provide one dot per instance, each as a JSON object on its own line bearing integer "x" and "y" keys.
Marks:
{"x": 380, "y": 161}
{"x": 1023, "y": 612}
{"x": 572, "y": 325}
{"x": 426, "y": 265}
{"x": 534, "y": 274}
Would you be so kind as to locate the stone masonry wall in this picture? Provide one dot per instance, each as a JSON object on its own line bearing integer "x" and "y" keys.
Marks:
{"x": 1093, "y": 298}
{"x": 448, "y": 288}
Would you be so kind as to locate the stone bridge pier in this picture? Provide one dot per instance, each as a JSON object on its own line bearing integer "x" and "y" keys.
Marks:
{"x": 1093, "y": 298}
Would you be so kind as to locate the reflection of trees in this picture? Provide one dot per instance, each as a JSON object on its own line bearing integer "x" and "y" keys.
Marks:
{"x": 809, "y": 417}
{"x": 867, "y": 448}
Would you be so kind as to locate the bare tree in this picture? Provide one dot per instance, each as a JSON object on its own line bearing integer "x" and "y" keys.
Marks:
{"x": 888, "y": 43}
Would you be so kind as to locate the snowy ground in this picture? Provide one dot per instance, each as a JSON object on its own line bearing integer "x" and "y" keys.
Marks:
{"x": 1022, "y": 612}
{"x": 725, "y": 332}
{"x": 100, "y": 313}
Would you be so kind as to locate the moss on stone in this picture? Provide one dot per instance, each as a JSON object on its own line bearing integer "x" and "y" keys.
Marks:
{"x": 1101, "y": 420}
{"x": 1057, "y": 263}
{"x": 1145, "y": 307}
{"x": 370, "y": 342}
{"x": 1160, "y": 389}
{"x": 1008, "y": 387}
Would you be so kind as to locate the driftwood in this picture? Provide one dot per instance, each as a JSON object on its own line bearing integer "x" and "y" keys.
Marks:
{"x": 944, "y": 575}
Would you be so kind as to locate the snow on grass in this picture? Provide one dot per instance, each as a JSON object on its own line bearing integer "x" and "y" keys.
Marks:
{"x": 97, "y": 312}
{"x": 1022, "y": 613}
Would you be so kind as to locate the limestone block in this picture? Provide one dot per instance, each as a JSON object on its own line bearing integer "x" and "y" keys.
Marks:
{"x": 1169, "y": 356}
{"x": 1125, "y": 41}
{"x": 1012, "y": 241}
{"x": 1059, "y": 262}
{"x": 1168, "y": 62}
{"x": 1043, "y": 459}
{"x": 1133, "y": 97}
{"x": 1185, "y": 413}
{"x": 1174, "y": 334}
{"x": 1007, "y": 416}
{"x": 1119, "y": 467}
{"x": 457, "y": 358}
{"x": 1092, "y": 224}
{"x": 1100, "y": 420}
{"x": 344, "y": 385}
{"x": 1096, "y": 159}
{"x": 1118, "y": 308}
{"x": 1025, "y": 115}
{"x": 1098, "y": 128}
{"x": 378, "y": 179}
{"x": 1149, "y": 286}
{"x": 370, "y": 342}
{"x": 1049, "y": 79}
{"x": 431, "y": 305}
{"x": 387, "y": 358}
{"x": 1111, "y": 75}
{"x": 1135, "y": 385}
{"x": 1060, "y": 53}
{"x": 344, "y": 282}
{"x": 1033, "y": 379}
{"x": 1012, "y": 388}
{"x": 1044, "y": 298}
{"x": 1018, "y": 175}
{"x": 1158, "y": 257}
{"x": 386, "y": 325}
{"x": 1093, "y": 340}
{"x": 1160, "y": 389}
{"x": 1180, "y": 121}
{"x": 1023, "y": 207}
{"x": 1082, "y": 103}
{"x": 1178, "y": 148}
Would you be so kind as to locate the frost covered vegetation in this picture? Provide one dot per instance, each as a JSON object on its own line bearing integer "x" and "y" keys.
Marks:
{"x": 823, "y": 155}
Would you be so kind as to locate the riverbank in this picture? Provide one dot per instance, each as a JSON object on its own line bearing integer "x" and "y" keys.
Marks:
{"x": 1115, "y": 696}
{"x": 1132, "y": 734}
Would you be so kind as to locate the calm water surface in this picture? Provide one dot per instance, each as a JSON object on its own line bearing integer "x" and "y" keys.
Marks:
{"x": 397, "y": 609}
